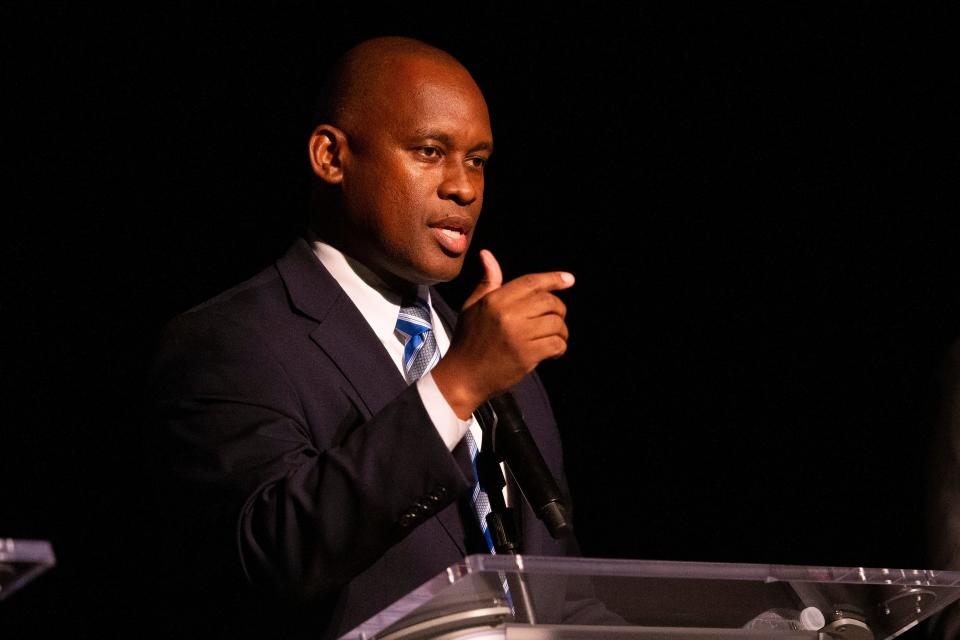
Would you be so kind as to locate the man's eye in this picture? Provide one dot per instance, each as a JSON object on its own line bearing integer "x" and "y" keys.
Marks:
{"x": 429, "y": 152}
{"x": 477, "y": 163}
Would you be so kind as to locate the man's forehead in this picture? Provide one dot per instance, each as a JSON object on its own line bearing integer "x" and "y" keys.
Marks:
{"x": 440, "y": 111}
{"x": 418, "y": 92}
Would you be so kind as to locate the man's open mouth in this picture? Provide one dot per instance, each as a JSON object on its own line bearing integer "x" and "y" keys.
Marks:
{"x": 452, "y": 234}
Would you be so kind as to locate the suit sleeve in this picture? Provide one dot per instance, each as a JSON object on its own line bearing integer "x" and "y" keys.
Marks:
{"x": 252, "y": 484}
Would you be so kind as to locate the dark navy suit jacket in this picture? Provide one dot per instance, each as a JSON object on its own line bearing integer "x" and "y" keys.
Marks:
{"x": 303, "y": 485}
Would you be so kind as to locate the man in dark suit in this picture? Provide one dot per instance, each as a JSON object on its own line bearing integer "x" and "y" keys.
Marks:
{"x": 309, "y": 479}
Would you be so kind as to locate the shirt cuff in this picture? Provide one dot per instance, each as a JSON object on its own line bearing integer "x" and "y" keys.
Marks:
{"x": 448, "y": 425}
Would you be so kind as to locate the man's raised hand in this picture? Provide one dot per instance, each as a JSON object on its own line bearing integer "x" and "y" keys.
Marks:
{"x": 504, "y": 332}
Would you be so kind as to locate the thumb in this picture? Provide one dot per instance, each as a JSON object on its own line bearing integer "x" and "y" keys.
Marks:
{"x": 492, "y": 278}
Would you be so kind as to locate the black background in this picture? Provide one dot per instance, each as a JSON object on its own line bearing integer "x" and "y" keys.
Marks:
{"x": 757, "y": 202}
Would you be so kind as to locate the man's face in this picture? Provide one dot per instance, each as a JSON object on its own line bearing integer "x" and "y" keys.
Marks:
{"x": 413, "y": 175}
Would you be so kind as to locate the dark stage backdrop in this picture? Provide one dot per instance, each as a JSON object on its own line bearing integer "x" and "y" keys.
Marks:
{"x": 757, "y": 202}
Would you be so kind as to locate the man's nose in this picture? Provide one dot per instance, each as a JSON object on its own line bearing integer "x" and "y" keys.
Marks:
{"x": 458, "y": 184}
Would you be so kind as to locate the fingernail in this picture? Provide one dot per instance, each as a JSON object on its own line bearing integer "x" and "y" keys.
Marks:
{"x": 567, "y": 277}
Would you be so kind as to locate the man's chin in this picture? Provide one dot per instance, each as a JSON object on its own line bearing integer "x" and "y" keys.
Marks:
{"x": 441, "y": 270}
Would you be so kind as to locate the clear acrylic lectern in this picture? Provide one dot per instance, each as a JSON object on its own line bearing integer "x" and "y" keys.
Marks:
{"x": 21, "y": 561}
{"x": 522, "y": 597}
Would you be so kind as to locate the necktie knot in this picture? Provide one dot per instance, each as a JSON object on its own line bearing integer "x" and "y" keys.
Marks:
{"x": 414, "y": 326}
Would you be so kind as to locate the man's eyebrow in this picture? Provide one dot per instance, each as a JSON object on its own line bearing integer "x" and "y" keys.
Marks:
{"x": 445, "y": 139}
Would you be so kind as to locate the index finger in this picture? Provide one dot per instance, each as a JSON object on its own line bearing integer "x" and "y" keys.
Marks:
{"x": 546, "y": 281}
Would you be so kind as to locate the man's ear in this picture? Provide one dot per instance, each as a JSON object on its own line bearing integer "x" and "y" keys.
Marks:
{"x": 327, "y": 148}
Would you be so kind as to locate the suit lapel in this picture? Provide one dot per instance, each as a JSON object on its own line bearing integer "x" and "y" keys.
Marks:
{"x": 342, "y": 332}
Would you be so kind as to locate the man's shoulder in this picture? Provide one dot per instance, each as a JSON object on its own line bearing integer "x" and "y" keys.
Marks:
{"x": 263, "y": 289}
{"x": 268, "y": 291}
{"x": 263, "y": 304}
{"x": 235, "y": 317}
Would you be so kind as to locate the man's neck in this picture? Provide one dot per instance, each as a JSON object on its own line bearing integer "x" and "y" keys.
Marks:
{"x": 377, "y": 278}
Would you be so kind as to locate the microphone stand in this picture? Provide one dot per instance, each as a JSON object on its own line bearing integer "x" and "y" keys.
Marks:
{"x": 501, "y": 522}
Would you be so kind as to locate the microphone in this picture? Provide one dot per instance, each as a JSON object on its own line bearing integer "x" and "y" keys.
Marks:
{"x": 513, "y": 444}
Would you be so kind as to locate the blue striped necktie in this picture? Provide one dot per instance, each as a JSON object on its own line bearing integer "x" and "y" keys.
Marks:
{"x": 420, "y": 354}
